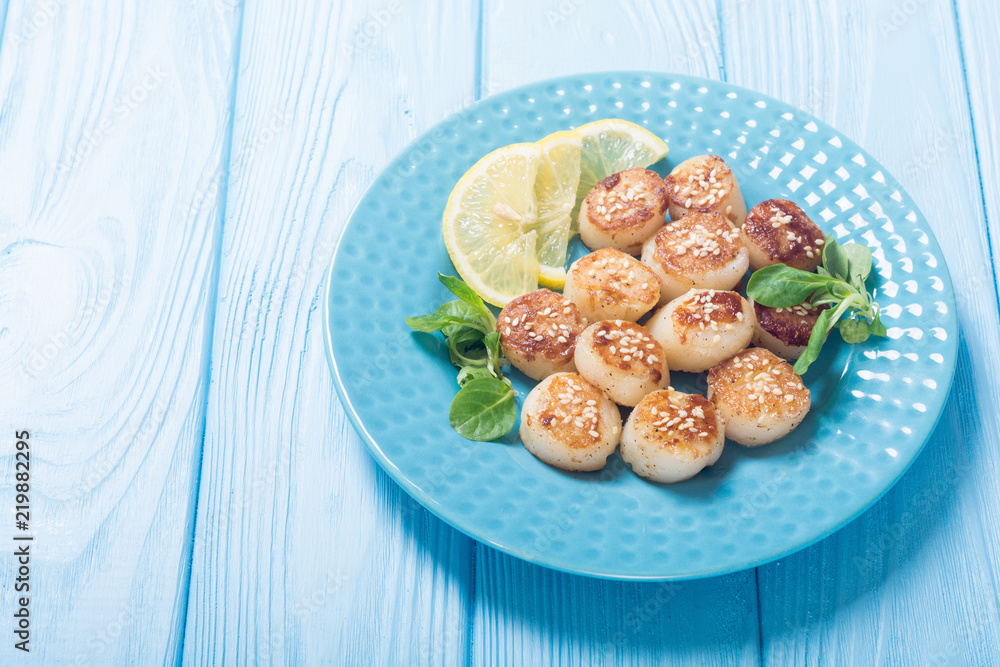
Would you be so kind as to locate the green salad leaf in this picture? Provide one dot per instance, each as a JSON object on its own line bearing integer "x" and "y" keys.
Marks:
{"x": 839, "y": 284}
{"x": 484, "y": 408}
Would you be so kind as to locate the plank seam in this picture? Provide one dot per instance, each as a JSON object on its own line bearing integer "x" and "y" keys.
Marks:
{"x": 760, "y": 619}
{"x": 3, "y": 22}
{"x": 480, "y": 47}
{"x": 975, "y": 151}
{"x": 227, "y": 155}
{"x": 722, "y": 40}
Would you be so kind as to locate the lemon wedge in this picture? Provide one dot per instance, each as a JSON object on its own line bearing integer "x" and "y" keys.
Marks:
{"x": 490, "y": 224}
{"x": 509, "y": 220}
{"x": 555, "y": 194}
{"x": 609, "y": 146}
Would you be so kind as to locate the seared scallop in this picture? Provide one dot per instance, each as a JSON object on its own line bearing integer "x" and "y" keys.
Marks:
{"x": 538, "y": 333}
{"x": 569, "y": 423}
{"x": 622, "y": 359}
{"x": 759, "y": 396}
{"x": 607, "y": 284}
{"x": 623, "y": 210}
{"x": 671, "y": 436}
{"x": 700, "y": 250}
{"x": 777, "y": 231}
{"x": 702, "y": 328}
{"x": 785, "y": 331}
{"x": 705, "y": 184}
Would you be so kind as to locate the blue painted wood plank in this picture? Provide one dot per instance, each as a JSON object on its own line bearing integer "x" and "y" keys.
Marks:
{"x": 979, "y": 53}
{"x": 913, "y": 581}
{"x": 525, "y": 614}
{"x": 305, "y": 551}
{"x": 113, "y": 123}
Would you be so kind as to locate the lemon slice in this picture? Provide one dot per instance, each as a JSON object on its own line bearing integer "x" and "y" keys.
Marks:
{"x": 555, "y": 194}
{"x": 490, "y": 224}
{"x": 609, "y": 146}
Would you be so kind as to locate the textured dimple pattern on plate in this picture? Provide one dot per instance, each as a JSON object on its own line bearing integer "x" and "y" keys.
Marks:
{"x": 874, "y": 404}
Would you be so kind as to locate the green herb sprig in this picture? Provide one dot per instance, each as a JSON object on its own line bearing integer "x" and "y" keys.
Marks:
{"x": 839, "y": 283}
{"x": 484, "y": 407}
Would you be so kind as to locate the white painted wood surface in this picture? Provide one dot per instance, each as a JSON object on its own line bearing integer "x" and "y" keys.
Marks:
{"x": 114, "y": 120}
{"x": 160, "y": 333}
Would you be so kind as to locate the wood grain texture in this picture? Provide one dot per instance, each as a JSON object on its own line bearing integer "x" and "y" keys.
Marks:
{"x": 305, "y": 551}
{"x": 165, "y": 227}
{"x": 525, "y": 614}
{"x": 527, "y": 41}
{"x": 913, "y": 581}
{"x": 114, "y": 117}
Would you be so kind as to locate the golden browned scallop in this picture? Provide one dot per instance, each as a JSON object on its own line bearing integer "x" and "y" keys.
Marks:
{"x": 569, "y": 423}
{"x": 702, "y": 328}
{"x": 777, "y": 231}
{"x": 705, "y": 184}
{"x": 671, "y": 436}
{"x": 785, "y": 331}
{"x": 759, "y": 395}
{"x": 700, "y": 250}
{"x": 538, "y": 333}
{"x": 607, "y": 284}
{"x": 623, "y": 210}
{"x": 622, "y": 359}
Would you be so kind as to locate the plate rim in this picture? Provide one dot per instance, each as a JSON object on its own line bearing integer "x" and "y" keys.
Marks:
{"x": 440, "y": 511}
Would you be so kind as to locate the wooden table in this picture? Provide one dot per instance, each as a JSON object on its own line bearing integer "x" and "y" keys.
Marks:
{"x": 173, "y": 178}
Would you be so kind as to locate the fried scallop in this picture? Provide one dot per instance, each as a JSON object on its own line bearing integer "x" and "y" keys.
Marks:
{"x": 777, "y": 231}
{"x": 700, "y": 250}
{"x": 671, "y": 436}
{"x": 623, "y": 210}
{"x": 538, "y": 333}
{"x": 569, "y": 423}
{"x": 784, "y": 331}
{"x": 702, "y": 328}
{"x": 622, "y": 359}
{"x": 758, "y": 395}
{"x": 705, "y": 184}
{"x": 607, "y": 284}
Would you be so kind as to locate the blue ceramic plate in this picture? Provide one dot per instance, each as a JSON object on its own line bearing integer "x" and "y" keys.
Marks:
{"x": 874, "y": 404}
